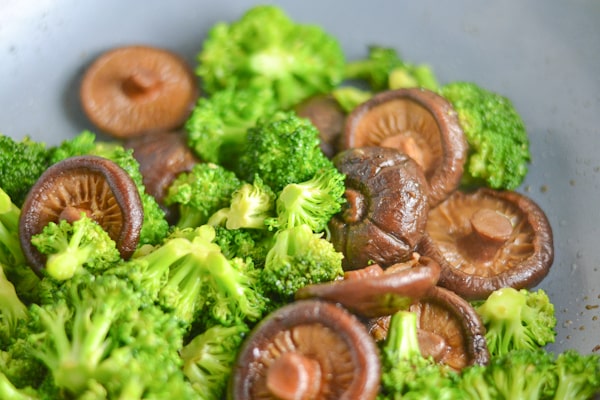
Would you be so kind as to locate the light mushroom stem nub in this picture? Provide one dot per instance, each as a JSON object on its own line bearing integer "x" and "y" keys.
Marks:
{"x": 72, "y": 214}
{"x": 356, "y": 207}
{"x": 490, "y": 230}
{"x": 294, "y": 377}
{"x": 140, "y": 83}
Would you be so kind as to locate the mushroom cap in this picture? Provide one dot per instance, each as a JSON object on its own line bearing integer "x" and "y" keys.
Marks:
{"x": 386, "y": 207}
{"x": 445, "y": 314}
{"x": 347, "y": 360}
{"x": 94, "y": 185}
{"x": 132, "y": 90}
{"x": 374, "y": 295}
{"x": 420, "y": 123}
{"x": 488, "y": 239}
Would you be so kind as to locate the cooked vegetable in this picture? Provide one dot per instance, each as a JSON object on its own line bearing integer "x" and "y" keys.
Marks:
{"x": 265, "y": 48}
{"x": 498, "y": 144}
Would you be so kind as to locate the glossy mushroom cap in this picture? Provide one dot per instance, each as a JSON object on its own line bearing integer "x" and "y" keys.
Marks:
{"x": 486, "y": 239}
{"x": 420, "y": 123}
{"x": 308, "y": 349}
{"x": 93, "y": 185}
{"x": 137, "y": 89}
{"x": 386, "y": 207}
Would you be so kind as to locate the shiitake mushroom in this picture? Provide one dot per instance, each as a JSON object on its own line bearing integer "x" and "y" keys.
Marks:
{"x": 386, "y": 207}
{"x": 92, "y": 185}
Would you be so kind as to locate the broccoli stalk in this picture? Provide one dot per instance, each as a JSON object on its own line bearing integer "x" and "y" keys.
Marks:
{"x": 517, "y": 319}
{"x": 299, "y": 257}
{"x": 201, "y": 192}
{"x": 406, "y": 373}
{"x": 9, "y": 391}
{"x": 311, "y": 203}
{"x": 72, "y": 246}
{"x": 10, "y": 247}
{"x": 498, "y": 144}
{"x": 578, "y": 376}
{"x": 209, "y": 357}
{"x": 265, "y": 48}
{"x": 12, "y": 309}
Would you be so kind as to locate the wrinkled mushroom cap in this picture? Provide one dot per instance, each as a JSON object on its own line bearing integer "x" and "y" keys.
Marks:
{"x": 137, "y": 89}
{"x": 90, "y": 184}
{"x": 418, "y": 122}
{"x": 386, "y": 207}
{"x": 322, "y": 351}
{"x": 487, "y": 239}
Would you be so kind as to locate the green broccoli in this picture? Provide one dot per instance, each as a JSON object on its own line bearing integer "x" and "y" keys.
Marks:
{"x": 385, "y": 69}
{"x": 281, "y": 150}
{"x": 265, "y": 48}
{"x": 22, "y": 163}
{"x": 216, "y": 129}
{"x": 517, "y": 319}
{"x": 251, "y": 205}
{"x": 69, "y": 247}
{"x": 209, "y": 357}
{"x": 311, "y": 203}
{"x": 498, "y": 154}
{"x": 17, "y": 362}
{"x": 9, "y": 391}
{"x": 405, "y": 373}
{"x": 349, "y": 97}
{"x": 244, "y": 243}
{"x": 201, "y": 192}
{"x": 299, "y": 257}
{"x": 577, "y": 376}
{"x": 10, "y": 247}
{"x": 12, "y": 309}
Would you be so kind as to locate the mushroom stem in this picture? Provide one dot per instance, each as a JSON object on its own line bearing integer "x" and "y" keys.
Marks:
{"x": 72, "y": 214}
{"x": 355, "y": 207}
{"x": 294, "y": 377}
{"x": 140, "y": 83}
{"x": 490, "y": 230}
{"x": 408, "y": 145}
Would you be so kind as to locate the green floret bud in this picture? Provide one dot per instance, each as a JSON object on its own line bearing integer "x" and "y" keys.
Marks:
{"x": 209, "y": 357}
{"x": 69, "y": 247}
{"x": 299, "y": 257}
{"x": 22, "y": 163}
{"x": 244, "y": 243}
{"x": 201, "y": 192}
{"x": 281, "y": 150}
{"x": 578, "y": 376}
{"x": 311, "y": 203}
{"x": 12, "y": 309}
{"x": 265, "y": 48}
{"x": 11, "y": 253}
{"x": 498, "y": 154}
{"x": 349, "y": 97}
{"x": 216, "y": 129}
{"x": 250, "y": 206}
{"x": 10, "y": 391}
{"x": 517, "y": 319}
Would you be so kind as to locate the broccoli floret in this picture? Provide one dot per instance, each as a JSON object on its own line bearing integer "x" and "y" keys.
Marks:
{"x": 9, "y": 391}
{"x": 209, "y": 357}
{"x": 265, "y": 48}
{"x": 405, "y": 373}
{"x": 22, "y": 163}
{"x": 10, "y": 247}
{"x": 517, "y": 319}
{"x": 69, "y": 247}
{"x": 17, "y": 362}
{"x": 201, "y": 192}
{"x": 578, "y": 376}
{"x": 311, "y": 203}
{"x": 281, "y": 150}
{"x": 349, "y": 97}
{"x": 244, "y": 243}
{"x": 216, "y": 129}
{"x": 385, "y": 69}
{"x": 498, "y": 154}
{"x": 251, "y": 205}
{"x": 83, "y": 143}
{"x": 12, "y": 309}
{"x": 299, "y": 257}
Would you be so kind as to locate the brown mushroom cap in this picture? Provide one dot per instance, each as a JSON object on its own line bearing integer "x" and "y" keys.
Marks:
{"x": 376, "y": 295}
{"x": 137, "y": 89}
{"x": 487, "y": 239}
{"x": 90, "y": 184}
{"x": 162, "y": 156}
{"x": 319, "y": 349}
{"x": 328, "y": 117}
{"x": 420, "y": 123}
{"x": 386, "y": 207}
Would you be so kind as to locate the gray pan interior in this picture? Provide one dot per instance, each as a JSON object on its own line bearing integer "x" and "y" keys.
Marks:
{"x": 544, "y": 55}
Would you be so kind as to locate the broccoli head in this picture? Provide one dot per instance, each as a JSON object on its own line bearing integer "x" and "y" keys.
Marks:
{"x": 498, "y": 154}
{"x": 517, "y": 319}
{"x": 244, "y": 243}
{"x": 69, "y": 247}
{"x": 265, "y": 48}
{"x": 577, "y": 375}
{"x": 216, "y": 129}
{"x": 22, "y": 163}
{"x": 11, "y": 253}
{"x": 282, "y": 149}
{"x": 312, "y": 202}
{"x": 12, "y": 309}
{"x": 299, "y": 257}
{"x": 201, "y": 192}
